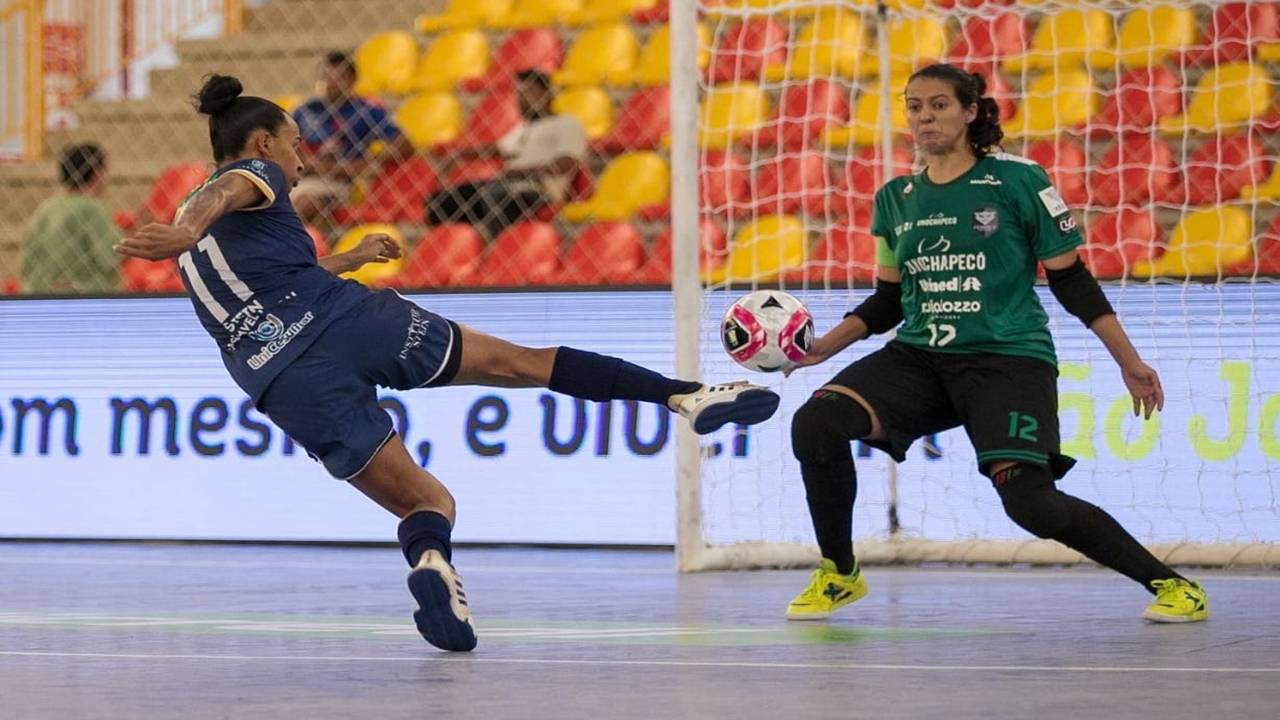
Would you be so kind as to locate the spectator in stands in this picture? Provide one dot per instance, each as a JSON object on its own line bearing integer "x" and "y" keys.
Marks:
{"x": 338, "y": 130}
{"x": 67, "y": 246}
{"x": 540, "y": 158}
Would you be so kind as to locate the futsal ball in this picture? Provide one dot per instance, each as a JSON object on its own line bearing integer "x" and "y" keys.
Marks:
{"x": 766, "y": 330}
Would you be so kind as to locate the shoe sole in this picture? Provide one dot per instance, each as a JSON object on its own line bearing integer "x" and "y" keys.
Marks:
{"x": 1158, "y": 618}
{"x": 748, "y": 408}
{"x": 807, "y": 617}
{"x": 434, "y": 616}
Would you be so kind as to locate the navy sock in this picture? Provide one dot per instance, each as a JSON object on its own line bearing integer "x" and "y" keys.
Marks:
{"x": 590, "y": 376}
{"x": 422, "y": 531}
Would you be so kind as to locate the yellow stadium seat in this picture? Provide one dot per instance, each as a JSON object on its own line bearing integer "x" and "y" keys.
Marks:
{"x": 453, "y": 56}
{"x": 1205, "y": 243}
{"x": 594, "y": 12}
{"x": 535, "y": 13}
{"x": 1227, "y": 96}
{"x": 1053, "y": 103}
{"x": 865, "y": 127}
{"x": 385, "y": 63}
{"x": 630, "y": 182}
{"x": 590, "y": 105}
{"x": 373, "y": 274}
{"x": 832, "y": 43}
{"x": 604, "y": 54}
{"x": 729, "y": 112}
{"x": 1147, "y": 37}
{"x": 464, "y": 14}
{"x": 653, "y": 68}
{"x": 762, "y": 250}
{"x": 1065, "y": 40}
{"x": 430, "y": 118}
{"x": 913, "y": 41}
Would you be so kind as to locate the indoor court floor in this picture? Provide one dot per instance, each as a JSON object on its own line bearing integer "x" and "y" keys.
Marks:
{"x": 240, "y": 631}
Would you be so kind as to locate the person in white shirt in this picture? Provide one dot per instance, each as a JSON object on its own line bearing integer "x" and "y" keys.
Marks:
{"x": 540, "y": 157}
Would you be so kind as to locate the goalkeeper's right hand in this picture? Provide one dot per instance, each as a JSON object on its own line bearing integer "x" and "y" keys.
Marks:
{"x": 850, "y": 330}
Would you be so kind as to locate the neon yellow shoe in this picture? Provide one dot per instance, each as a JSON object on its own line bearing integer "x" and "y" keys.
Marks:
{"x": 1177, "y": 601}
{"x": 827, "y": 591}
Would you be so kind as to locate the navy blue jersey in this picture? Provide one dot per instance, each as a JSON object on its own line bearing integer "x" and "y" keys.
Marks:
{"x": 255, "y": 284}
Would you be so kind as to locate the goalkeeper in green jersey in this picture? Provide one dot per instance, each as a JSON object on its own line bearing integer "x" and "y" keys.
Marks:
{"x": 957, "y": 248}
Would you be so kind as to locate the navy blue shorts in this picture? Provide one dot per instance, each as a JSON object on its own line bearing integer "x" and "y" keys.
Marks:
{"x": 327, "y": 399}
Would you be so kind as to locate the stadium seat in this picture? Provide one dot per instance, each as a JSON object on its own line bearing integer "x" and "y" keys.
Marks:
{"x": 788, "y": 183}
{"x": 729, "y": 113}
{"x": 724, "y": 181}
{"x": 1133, "y": 171}
{"x": 144, "y": 276}
{"x": 1147, "y": 37}
{"x": 445, "y": 256}
{"x": 1064, "y": 160}
{"x": 653, "y": 66}
{"x": 1220, "y": 168}
{"x": 985, "y": 42}
{"x": 746, "y": 48}
{"x": 385, "y": 63}
{"x": 527, "y": 253}
{"x": 1139, "y": 101}
{"x": 590, "y": 105}
{"x": 1064, "y": 40}
{"x": 863, "y": 175}
{"x": 641, "y": 121}
{"x": 830, "y": 44}
{"x": 596, "y": 12}
{"x": 602, "y": 55}
{"x": 452, "y": 57}
{"x": 605, "y": 253}
{"x": 913, "y": 42}
{"x": 430, "y": 119}
{"x": 373, "y": 274}
{"x": 1204, "y": 244}
{"x": 1227, "y": 96}
{"x": 865, "y": 128}
{"x": 526, "y": 49}
{"x": 844, "y": 257}
{"x": 763, "y": 249}
{"x": 1115, "y": 241}
{"x": 712, "y": 251}
{"x": 1054, "y": 102}
{"x": 170, "y": 187}
{"x": 999, "y": 90}
{"x": 1266, "y": 258}
{"x": 804, "y": 111}
{"x": 496, "y": 114}
{"x": 536, "y": 14}
{"x": 629, "y": 183}
{"x": 463, "y": 14}
{"x": 1234, "y": 31}
{"x": 397, "y": 192}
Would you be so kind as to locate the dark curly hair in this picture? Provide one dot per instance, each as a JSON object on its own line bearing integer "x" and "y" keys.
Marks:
{"x": 233, "y": 117}
{"x": 984, "y": 131}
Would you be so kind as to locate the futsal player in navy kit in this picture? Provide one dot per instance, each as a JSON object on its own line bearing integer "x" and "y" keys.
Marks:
{"x": 310, "y": 348}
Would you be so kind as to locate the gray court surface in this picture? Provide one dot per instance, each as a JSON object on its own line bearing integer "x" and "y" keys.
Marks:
{"x": 194, "y": 632}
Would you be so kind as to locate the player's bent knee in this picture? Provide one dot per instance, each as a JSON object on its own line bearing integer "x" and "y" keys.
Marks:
{"x": 823, "y": 427}
{"x": 1031, "y": 499}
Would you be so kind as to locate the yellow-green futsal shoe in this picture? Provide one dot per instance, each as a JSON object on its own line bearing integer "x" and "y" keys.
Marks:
{"x": 828, "y": 590}
{"x": 1177, "y": 601}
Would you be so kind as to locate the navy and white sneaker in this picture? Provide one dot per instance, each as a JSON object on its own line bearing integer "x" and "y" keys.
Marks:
{"x": 442, "y": 616}
{"x": 715, "y": 405}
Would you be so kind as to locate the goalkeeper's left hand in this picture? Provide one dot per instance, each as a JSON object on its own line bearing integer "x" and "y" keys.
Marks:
{"x": 1144, "y": 386}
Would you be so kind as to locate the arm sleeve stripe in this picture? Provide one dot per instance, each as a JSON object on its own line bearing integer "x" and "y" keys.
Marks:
{"x": 262, "y": 186}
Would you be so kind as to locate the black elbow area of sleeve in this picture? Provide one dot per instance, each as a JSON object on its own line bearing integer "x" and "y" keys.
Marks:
{"x": 1078, "y": 291}
{"x": 883, "y": 310}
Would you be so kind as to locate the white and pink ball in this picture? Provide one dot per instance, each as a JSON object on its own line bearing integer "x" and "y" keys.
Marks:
{"x": 766, "y": 330}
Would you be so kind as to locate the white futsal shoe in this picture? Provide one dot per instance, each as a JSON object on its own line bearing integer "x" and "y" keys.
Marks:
{"x": 714, "y": 405}
{"x": 442, "y": 616}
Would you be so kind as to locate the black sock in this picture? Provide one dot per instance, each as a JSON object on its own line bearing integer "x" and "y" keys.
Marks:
{"x": 830, "y": 489}
{"x": 591, "y": 376}
{"x": 422, "y": 531}
{"x": 1095, "y": 534}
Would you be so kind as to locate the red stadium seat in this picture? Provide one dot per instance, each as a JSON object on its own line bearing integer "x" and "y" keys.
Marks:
{"x": 605, "y": 253}
{"x": 398, "y": 192}
{"x": 1266, "y": 259}
{"x": 1140, "y": 99}
{"x": 1220, "y": 168}
{"x": 803, "y": 112}
{"x": 525, "y": 49}
{"x": 448, "y": 255}
{"x": 713, "y": 249}
{"x": 642, "y": 120}
{"x": 1233, "y": 32}
{"x": 524, "y": 254}
{"x": 495, "y": 115}
{"x": 144, "y": 276}
{"x": 659, "y": 13}
{"x": 746, "y": 48}
{"x": 724, "y": 182}
{"x": 844, "y": 257}
{"x": 863, "y": 176}
{"x": 786, "y": 184}
{"x": 1064, "y": 161}
{"x": 169, "y": 189}
{"x": 1133, "y": 171}
{"x": 986, "y": 41}
{"x": 11, "y": 286}
{"x": 1115, "y": 241}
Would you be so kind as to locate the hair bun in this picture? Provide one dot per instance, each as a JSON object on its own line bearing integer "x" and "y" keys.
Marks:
{"x": 218, "y": 93}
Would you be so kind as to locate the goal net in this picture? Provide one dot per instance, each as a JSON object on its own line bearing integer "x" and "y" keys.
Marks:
{"x": 1157, "y": 123}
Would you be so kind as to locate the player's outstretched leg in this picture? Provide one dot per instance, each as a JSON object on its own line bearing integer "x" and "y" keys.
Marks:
{"x": 426, "y": 513}
{"x": 487, "y": 360}
{"x": 1032, "y": 500}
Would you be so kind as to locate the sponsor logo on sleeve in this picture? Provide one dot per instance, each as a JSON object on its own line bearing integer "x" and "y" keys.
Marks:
{"x": 1052, "y": 201}
{"x": 1067, "y": 223}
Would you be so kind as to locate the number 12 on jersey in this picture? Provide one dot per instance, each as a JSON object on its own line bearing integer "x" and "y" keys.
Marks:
{"x": 940, "y": 334}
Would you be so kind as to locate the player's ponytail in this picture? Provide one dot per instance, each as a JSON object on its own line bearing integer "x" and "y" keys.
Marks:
{"x": 984, "y": 132}
{"x": 232, "y": 116}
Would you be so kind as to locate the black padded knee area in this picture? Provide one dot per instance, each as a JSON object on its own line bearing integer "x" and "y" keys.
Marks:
{"x": 1032, "y": 500}
{"x": 823, "y": 427}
